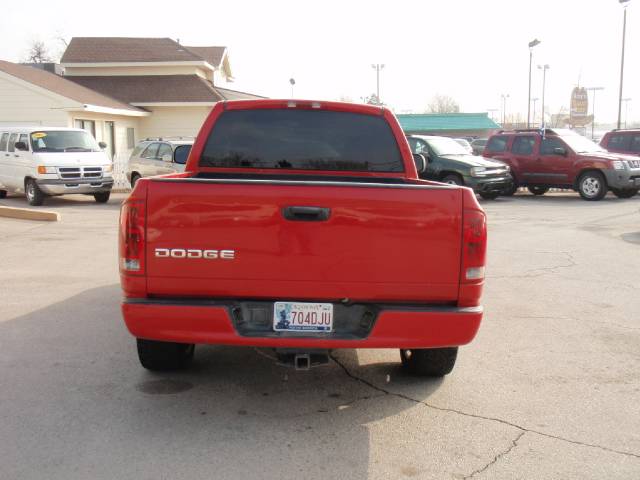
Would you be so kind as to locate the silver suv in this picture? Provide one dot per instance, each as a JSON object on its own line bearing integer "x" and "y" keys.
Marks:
{"x": 158, "y": 156}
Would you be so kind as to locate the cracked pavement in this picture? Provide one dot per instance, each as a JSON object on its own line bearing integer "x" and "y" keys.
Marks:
{"x": 550, "y": 388}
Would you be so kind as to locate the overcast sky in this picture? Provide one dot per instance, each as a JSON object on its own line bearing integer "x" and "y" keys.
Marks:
{"x": 470, "y": 50}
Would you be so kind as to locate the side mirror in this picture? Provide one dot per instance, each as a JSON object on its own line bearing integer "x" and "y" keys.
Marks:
{"x": 21, "y": 146}
{"x": 181, "y": 154}
{"x": 420, "y": 161}
{"x": 560, "y": 151}
{"x": 102, "y": 145}
{"x": 167, "y": 157}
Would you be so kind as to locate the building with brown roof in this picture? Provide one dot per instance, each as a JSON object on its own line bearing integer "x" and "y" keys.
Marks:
{"x": 122, "y": 89}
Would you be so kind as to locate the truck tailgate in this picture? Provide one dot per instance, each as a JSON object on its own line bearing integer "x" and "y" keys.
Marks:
{"x": 380, "y": 242}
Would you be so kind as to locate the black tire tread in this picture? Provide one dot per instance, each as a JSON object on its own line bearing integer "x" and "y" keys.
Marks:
{"x": 164, "y": 356}
{"x": 429, "y": 362}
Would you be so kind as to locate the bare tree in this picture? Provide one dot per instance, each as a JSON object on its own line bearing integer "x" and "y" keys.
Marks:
{"x": 443, "y": 104}
{"x": 38, "y": 53}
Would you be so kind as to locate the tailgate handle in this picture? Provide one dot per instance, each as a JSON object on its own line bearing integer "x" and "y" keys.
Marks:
{"x": 306, "y": 214}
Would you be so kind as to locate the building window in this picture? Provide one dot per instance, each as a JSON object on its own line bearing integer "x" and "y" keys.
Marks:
{"x": 88, "y": 125}
{"x": 131, "y": 138}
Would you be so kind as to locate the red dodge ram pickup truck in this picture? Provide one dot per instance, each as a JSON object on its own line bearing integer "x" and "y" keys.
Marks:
{"x": 302, "y": 226}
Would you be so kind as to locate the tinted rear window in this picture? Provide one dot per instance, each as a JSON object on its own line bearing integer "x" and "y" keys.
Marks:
{"x": 619, "y": 142}
{"x": 497, "y": 144}
{"x": 302, "y": 139}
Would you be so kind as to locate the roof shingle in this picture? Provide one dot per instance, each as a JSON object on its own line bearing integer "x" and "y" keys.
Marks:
{"x": 132, "y": 49}
{"x": 63, "y": 87}
{"x": 152, "y": 88}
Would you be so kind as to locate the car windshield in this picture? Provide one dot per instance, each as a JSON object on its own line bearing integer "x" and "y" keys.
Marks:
{"x": 581, "y": 144}
{"x": 63, "y": 141}
{"x": 446, "y": 146}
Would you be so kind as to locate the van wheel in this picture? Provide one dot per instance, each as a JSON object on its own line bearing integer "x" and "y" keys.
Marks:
{"x": 3, "y": 194}
{"x": 102, "y": 197}
{"x": 536, "y": 190}
{"x": 34, "y": 195}
{"x": 429, "y": 362}
{"x": 134, "y": 178}
{"x": 452, "y": 179}
{"x": 625, "y": 193}
{"x": 592, "y": 186}
{"x": 161, "y": 356}
{"x": 489, "y": 195}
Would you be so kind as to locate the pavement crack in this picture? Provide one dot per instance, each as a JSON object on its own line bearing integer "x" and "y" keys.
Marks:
{"x": 514, "y": 444}
{"x": 480, "y": 417}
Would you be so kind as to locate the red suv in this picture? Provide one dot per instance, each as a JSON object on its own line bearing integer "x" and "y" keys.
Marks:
{"x": 622, "y": 141}
{"x": 563, "y": 159}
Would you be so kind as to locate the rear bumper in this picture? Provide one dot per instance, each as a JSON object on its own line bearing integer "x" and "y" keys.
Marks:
{"x": 210, "y": 322}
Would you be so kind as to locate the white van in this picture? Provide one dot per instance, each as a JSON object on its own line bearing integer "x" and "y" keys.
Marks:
{"x": 43, "y": 161}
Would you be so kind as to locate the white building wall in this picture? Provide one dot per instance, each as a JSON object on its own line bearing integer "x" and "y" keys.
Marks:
{"x": 173, "y": 121}
{"x": 20, "y": 105}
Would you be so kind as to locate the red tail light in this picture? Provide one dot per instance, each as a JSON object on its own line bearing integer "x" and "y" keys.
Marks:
{"x": 132, "y": 228}
{"x": 474, "y": 246}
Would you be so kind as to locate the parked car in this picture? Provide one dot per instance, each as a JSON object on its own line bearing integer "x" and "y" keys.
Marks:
{"x": 158, "y": 156}
{"x": 46, "y": 161}
{"x": 464, "y": 143}
{"x": 302, "y": 226}
{"x": 478, "y": 146}
{"x": 622, "y": 141}
{"x": 449, "y": 162}
{"x": 561, "y": 158}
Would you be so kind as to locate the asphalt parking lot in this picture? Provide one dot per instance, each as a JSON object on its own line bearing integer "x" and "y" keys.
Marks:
{"x": 549, "y": 389}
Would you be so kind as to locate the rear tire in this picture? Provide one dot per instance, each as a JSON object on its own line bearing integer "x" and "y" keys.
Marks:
{"x": 625, "y": 193}
{"x": 134, "y": 178}
{"x": 452, "y": 179}
{"x": 430, "y": 362}
{"x": 537, "y": 190}
{"x": 3, "y": 194}
{"x": 592, "y": 186}
{"x": 34, "y": 195}
{"x": 102, "y": 197}
{"x": 489, "y": 195}
{"x": 163, "y": 356}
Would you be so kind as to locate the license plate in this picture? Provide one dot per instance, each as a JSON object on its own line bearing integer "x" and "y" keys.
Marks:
{"x": 302, "y": 317}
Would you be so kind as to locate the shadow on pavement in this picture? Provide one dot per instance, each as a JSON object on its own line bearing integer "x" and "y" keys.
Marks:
{"x": 77, "y": 404}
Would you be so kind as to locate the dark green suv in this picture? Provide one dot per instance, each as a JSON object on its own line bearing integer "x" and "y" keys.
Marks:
{"x": 449, "y": 162}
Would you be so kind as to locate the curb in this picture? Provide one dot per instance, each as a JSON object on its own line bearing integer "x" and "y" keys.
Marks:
{"x": 27, "y": 214}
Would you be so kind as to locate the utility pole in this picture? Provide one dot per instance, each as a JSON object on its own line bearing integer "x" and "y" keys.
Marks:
{"x": 504, "y": 97}
{"x": 593, "y": 107}
{"x": 624, "y": 4}
{"x": 377, "y": 67}
{"x": 532, "y": 44}
{"x": 544, "y": 69}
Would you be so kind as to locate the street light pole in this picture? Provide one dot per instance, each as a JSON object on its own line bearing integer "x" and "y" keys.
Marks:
{"x": 593, "y": 108}
{"x": 624, "y": 4}
{"x": 626, "y": 110}
{"x": 544, "y": 69}
{"x": 534, "y": 100}
{"x": 532, "y": 44}
{"x": 377, "y": 67}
